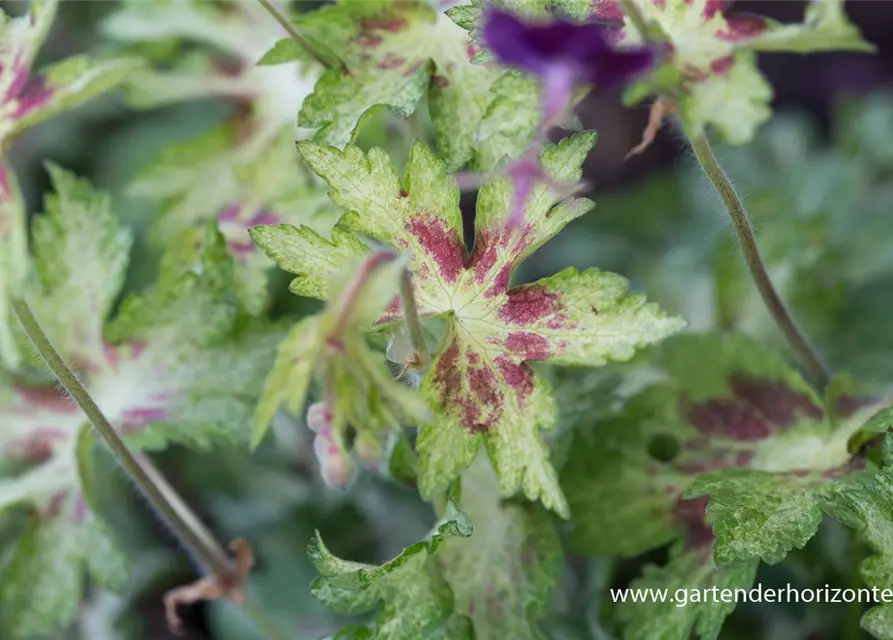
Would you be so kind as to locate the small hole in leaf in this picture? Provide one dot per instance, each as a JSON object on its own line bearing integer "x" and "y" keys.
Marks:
{"x": 663, "y": 447}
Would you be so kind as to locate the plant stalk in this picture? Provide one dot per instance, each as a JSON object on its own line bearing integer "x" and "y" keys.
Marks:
{"x": 294, "y": 33}
{"x": 413, "y": 322}
{"x": 753, "y": 258}
{"x": 635, "y": 16}
{"x": 187, "y": 527}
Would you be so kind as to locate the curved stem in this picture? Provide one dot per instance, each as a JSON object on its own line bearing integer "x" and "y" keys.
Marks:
{"x": 413, "y": 322}
{"x": 754, "y": 260}
{"x": 294, "y": 33}
{"x": 635, "y": 16}
{"x": 187, "y": 527}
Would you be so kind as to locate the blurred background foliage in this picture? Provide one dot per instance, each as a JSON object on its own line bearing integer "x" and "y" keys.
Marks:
{"x": 819, "y": 184}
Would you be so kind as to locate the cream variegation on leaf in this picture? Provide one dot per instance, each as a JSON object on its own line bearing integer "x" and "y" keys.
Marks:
{"x": 481, "y": 380}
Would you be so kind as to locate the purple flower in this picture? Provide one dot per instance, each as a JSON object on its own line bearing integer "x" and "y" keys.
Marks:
{"x": 563, "y": 54}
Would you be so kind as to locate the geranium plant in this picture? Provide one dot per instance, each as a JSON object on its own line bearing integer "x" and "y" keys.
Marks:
{"x": 561, "y": 433}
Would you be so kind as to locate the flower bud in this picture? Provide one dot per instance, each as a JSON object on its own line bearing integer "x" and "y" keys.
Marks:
{"x": 335, "y": 466}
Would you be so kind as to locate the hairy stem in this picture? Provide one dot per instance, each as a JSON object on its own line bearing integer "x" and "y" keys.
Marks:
{"x": 754, "y": 260}
{"x": 294, "y": 33}
{"x": 635, "y": 16}
{"x": 413, "y": 322}
{"x": 190, "y": 531}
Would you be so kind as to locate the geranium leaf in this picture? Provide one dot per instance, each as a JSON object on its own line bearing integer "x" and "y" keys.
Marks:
{"x": 712, "y": 63}
{"x": 481, "y": 382}
{"x": 734, "y": 422}
{"x": 409, "y": 592}
{"x": 394, "y": 54}
{"x": 80, "y": 255}
{"x": 503, "y": 575}
{"x": 41, "y": 589}
{"x": 13, "y": 260}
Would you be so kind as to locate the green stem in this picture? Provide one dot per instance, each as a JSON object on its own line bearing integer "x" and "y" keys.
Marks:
{"x": 753, "y": 258}
{"x": 635, "y": 16}
{"x": 413, "y": 322}
{"x": 294, "y": 33}
{"x": 190, "y": 531}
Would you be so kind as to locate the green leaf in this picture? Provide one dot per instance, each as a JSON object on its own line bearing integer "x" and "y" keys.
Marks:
{"x": 285, "y": 50}
{"x": 486, "y": 392}
{"x": 41, "y": 589}
{"x": 758, "y": 514}
{"x": 245, "y": 170}
{"x": 411, "y": 598}
{"x": 13, "y": 261}
{"x": 186, "y": 327}
{"x": 735, "y": 422}
{"x": 394, "y": 54}
{"x": 735, "y": 103}
{"x": 301, "y": 250}
{"x": 70, "y": 83}
{"x": 81, "y": 255}
{"x": 825, "y": 27}
{"x": 868, "y": 508}
{"x": 503, "y": 575}
{"x": 510, "y": 121}
{"x": 62, "y": 86}
{"x": 690, "y": 572}
{"x": 290, "y": 378}
{"x": 362, "y": 402}
{"x": 719, "y": 82}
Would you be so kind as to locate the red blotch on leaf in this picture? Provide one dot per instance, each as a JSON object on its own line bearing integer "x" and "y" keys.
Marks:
{"x": 517, "y": 375}
{"x": 35, "y": 95}
{"x": 691, "y": 516}
{"x": 441, "y": 82}
{"x": 440, "y": 242}
{"x": 391, "y": 61}
{"x": 729, "y": 419}
{"x": 742, "y": 28}
{"x": 527, "y": 345}
{"x": 528, "y": 304}
{"x": 773, "y": 400}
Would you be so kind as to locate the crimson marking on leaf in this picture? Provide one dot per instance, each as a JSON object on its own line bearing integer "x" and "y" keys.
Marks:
{"x": 138, "y": 418}
{"x": 773, "y": 400}
{"x": 742, "y": 28}
{"x": 20, "y": 74}
{"x": 717, "y": 459}
{"x": 516, "y": 375}
{"x": 44, "y": 398}
{"x": 607, "y": 10}
{"x": 441, "y": 243}
{"x": 448, "y": 376}
{"x": 485, "y": 256}
{"x": 441, "y": 82}
{"x": 393, "y": 23}
{"x": 528, "y": 304}
{"x": 391, "y": 61}
{"x": 530, "y": 346}
{"x": 484, "y": 408}
{"x": 722, "y": 66}
{"x": 37, "y": 446}
{"x": 728, "y": 418}
{"x": 759, "y": 409}
{"x": 848, "y": 405}
{"x": 691, "y": 516}
{"x": 35, "y": 95}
